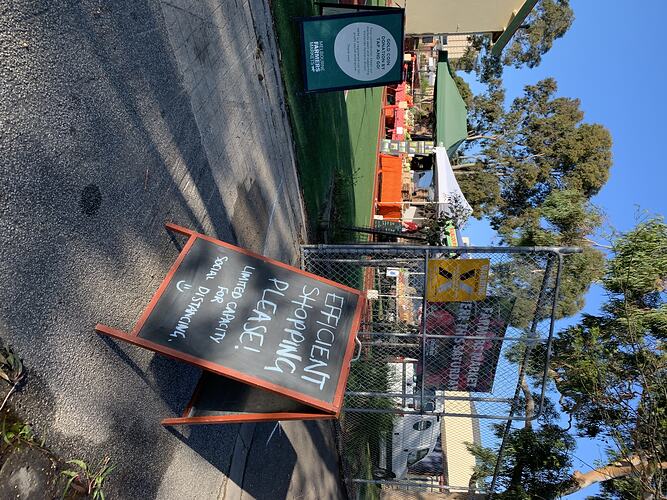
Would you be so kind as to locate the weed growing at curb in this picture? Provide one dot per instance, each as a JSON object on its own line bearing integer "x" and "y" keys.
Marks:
{"x": 86, "y": 480}
{"x": 11, "y": 370}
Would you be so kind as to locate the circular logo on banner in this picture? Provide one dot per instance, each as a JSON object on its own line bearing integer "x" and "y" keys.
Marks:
{"x": 365, "y": 51}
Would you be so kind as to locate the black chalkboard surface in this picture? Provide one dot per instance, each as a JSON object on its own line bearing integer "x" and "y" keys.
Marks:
{"x": 218, "y": 395}
{"x": 256, "y": 320}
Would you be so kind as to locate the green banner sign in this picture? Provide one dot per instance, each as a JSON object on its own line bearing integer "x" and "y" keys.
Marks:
{"x": 354, "y": 50}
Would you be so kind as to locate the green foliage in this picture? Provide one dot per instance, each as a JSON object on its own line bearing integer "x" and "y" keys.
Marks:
{"x": 435, "y": 228}
{"x": 486, "y": 108}
{"x": 464, "y": 90}
{"x": 478, "y": 58}
{"x": 11, "y": 370}
{"x": 569, "y": 213}
{"x": 535, "y": 464}
{"x": 369, "y": 374}
{"x": 481, "y": 189}
{"x": 368, "y": 491}
{"x": 623, "y": 488}
{"x": 579, "y": 272}
{"x": 423, "y": 84}
{"x": 468, "y": 61}
{"x": 566, "y": 218}
{"x": 15, "y": 432}
{"x": 363, "y": 432}
{"x": 639, "y": 267}
{"x": 11, "y": 366}
{"x": 342, "y": 212}
{"x": 610, "y": 371}
{"x": 537, "y": 147}
{"x": 610, "y": 368}
{"x": 537, "y": 460}
{"x": 548, "y": 21}
{"x": 541, "y": 147}
{"x": 485, "y": 460}
{"x": 536, "y": 167}
{"x": 522, "y": 277}
{"x": 86, "y": 480}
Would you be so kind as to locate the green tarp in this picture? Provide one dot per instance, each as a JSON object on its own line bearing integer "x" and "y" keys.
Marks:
{"x": 451, "y": 114}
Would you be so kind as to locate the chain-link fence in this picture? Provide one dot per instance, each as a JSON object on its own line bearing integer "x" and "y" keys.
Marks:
{"x": 380, "y": 232}
{"x": 451, "y": 338}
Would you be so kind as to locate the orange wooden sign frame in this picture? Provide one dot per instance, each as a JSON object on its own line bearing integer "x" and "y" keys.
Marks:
{"x": 187, "y": 418}
{"x": 328, "y": 409}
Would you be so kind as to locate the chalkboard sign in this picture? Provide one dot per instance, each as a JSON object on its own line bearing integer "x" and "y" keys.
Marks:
{"x": 218, "y": 395}
{"x": 256, "y": 320}
{"x": 388, "y": 226}
{"x": 222, "y": 400}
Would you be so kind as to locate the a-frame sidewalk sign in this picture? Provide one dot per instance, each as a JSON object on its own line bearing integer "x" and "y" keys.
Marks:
{"x": 276, "y": 341}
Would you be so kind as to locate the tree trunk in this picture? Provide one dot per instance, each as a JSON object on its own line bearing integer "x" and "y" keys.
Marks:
{"x": 410, "y": 495}
{"x": 481, "y": 136}
{"x": 530, "y": 402}
{"x": 516, "y": 480}
{"x": 584, "y": 480}
{"x": 462, "y": 166}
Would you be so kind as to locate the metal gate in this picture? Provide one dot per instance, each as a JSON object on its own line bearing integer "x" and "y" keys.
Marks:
{"x": 455, "y": 342}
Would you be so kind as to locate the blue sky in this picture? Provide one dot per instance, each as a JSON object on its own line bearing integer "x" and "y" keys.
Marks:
{"x": 611, "y": 60}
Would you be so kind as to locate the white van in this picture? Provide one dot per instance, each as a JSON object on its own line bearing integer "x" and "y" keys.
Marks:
{"x": 413, "y": 436}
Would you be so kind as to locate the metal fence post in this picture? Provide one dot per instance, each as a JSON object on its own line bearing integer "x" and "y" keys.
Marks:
{"x": 382, "y": 398}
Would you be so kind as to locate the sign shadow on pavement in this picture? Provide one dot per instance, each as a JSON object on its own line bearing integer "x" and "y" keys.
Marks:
{"x": 274, "y": 470}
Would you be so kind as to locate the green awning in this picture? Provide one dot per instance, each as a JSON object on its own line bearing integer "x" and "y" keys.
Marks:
{"x": 451, "y": 114}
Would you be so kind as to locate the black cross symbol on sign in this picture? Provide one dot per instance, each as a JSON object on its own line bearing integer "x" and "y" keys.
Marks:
{"x": 462, "y": 285}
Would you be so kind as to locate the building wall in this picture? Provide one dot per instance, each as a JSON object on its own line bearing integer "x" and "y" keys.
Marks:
{"x": 428, "y": 46}
{"x": 458, "y": 16}
{"x": 456, "y": 46}
{"x": 456, "y": 431}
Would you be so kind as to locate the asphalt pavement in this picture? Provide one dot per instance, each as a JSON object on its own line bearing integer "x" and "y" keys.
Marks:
{"x": 116, "y": 117}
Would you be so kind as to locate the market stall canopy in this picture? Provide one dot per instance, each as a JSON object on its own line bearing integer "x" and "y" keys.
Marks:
{"x": 447, "y": 190}
{"x": 451, "y": 114}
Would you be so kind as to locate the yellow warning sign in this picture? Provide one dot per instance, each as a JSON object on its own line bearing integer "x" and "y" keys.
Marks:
{"x": 457, "y": 280}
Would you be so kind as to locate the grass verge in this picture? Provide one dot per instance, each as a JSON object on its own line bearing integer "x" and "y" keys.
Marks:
{"x": 363, "y": 432}
{"x": 336, "y": 141}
